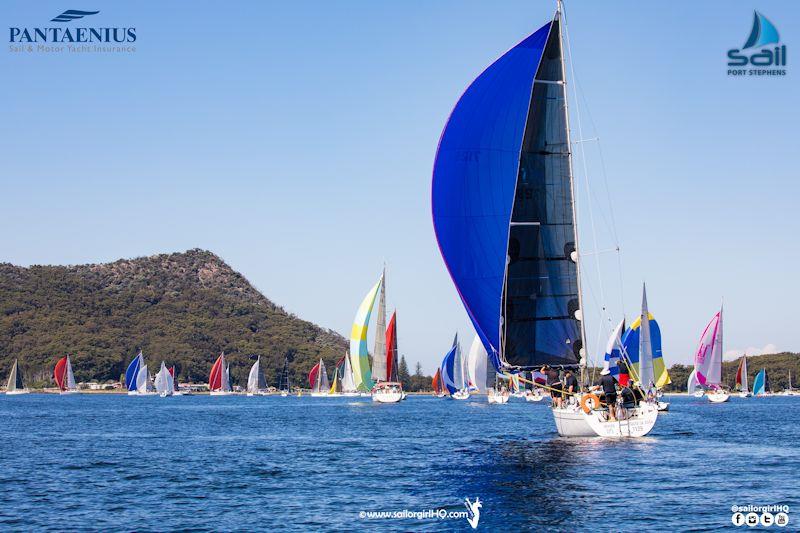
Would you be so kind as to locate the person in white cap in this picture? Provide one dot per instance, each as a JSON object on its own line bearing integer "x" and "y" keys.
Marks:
{"x": 609, "y": 386}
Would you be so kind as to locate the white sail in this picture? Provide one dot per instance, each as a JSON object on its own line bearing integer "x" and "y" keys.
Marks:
{"x": 141, "y": 380}
{"x": 646, "y": 371}
{"x": 379, "y": 353}
{"x": 745, "y": 384}
{"x": 164, "y": 383}
{"x": 70, "y": 377}
{"x": 348, "y": 383}
{"x": 459, "y": 374}
{"x": 12, "y": 378}
{"x": 692, "y": 384}
{"x": 476, "y": 365}
{"x": 226, "y": 378}
{"x": 252, "y": 379}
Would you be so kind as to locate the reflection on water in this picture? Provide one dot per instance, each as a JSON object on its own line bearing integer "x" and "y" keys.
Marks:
{"x": 236, "y": 463}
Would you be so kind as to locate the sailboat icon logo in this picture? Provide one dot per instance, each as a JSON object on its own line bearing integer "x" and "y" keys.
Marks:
{"x": 763, "y": 32}
{"x": 474, "y": 509}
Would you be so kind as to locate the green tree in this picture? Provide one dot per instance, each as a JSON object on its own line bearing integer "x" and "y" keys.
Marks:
{"x": 403, "y": 374}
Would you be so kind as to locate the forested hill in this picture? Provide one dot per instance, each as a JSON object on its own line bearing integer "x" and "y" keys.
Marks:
{"x": 778, "y": 366}
{"x": 183, "y": 308}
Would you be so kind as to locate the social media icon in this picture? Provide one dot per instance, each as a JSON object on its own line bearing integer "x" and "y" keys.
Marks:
{"x": 737, "y": 519}
{"x": 767, "y": 519}
{"x": 751, "y": 519}
{"x": 781, "y": 519}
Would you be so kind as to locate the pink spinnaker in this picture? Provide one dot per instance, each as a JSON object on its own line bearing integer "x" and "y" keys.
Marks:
{"x": 708, "y": 359}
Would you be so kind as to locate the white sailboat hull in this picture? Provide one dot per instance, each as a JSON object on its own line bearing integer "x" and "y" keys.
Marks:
{"x": 718, "y": 397}
{"x": 698, "y": 394}
{"x": 63, "y": 392}
{"x": 319, "y": 394}
{"x": 663, "y": 406}
{"x": 745, "y": 394}
{"x": 534, "y": 397}
{"x": 497, "y": 397}
{"x": 17, "y": 392}
{"x": 387, "y": 396}
{"x": 571, "y": 421}
{"x": 220, "y": 393}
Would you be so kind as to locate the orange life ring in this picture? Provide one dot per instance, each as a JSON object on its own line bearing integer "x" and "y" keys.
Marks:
{"x": 585, "y": 402}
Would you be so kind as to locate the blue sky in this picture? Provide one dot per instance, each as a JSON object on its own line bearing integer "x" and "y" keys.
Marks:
{"x": 296, "y": 141}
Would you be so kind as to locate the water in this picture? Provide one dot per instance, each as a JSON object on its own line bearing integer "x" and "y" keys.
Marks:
{"x": 110, "y": 462}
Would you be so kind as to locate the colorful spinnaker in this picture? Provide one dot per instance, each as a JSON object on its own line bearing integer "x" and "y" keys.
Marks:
{"x": 63, "y": 376}
{"x": 219, "y": 380}
{"x": 450, "y": 368}
{"x": 132, "y": 373}
{"x": 760, "y": 383}
{"x": 438, "y": 387}
{"x": 502, "y": 206}
{"x": 708, "y": 358}
{"x": 359, "y": 355}
{"x": 632, "y": 345}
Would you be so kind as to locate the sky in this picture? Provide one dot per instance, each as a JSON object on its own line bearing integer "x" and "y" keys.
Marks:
{"x": 296, "y": 141}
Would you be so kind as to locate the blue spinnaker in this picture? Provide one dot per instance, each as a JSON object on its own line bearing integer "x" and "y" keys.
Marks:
{"x": 474, "y": 182}
{"x": 132, "y": 372}
{"x": 448, "y": 369}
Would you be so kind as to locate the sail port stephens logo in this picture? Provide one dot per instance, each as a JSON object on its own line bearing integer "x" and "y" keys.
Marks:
{"x": 758, "y": 57}
{"x": 62, "y": 37}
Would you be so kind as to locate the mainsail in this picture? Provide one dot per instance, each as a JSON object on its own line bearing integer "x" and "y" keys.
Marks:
{"x": 132, "y": 372}
{"x": 503, "y": 207}
{"x": 142, "y": 380}
{"x": 476, "y": 366}
{"x": 379, "y": 353}
{"x": 708, "y": 359}
{"x": 692, "y": 384}
{"x": 391, "y": 349}
{"x": 359, "y": 355}
{"x": 348, "y": 383}
{"x": 15, "y": 382}
{"x": 63, "y": 376}
{"x": 646, "y": 373}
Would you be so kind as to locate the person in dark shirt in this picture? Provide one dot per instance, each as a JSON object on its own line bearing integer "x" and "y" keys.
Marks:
{"x": 609, "y": 387}
{"x": 571, "y": 385}
{"x": 554, "y": 383}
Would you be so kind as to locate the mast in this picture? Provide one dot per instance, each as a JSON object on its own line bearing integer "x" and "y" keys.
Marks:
{"x": 582, "y": 362}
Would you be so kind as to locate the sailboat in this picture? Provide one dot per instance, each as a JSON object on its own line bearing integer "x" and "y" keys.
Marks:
{"x": 449, "y": 369}
{"x": 708, "y": 361}
{"x": 178, "y": 391}
{"x": 741, "y": 378}
{"x": 498, "y": 394}
{"x": 790, "y": 391}
{"x": 693, "y": 386}
{"x": 219, "y": 380}
{"x": 477, "y": 360}
{"x": 256, "y": 384}
{"x": 761, "y": 384}
{"x": 15, "y": 383}
{"x": 63, "y": 376}
{"x": 164, "y": 382}
{"x": 459, "y": 374}
{"x": 504, "y": 215}
{"x": 283, "y": 380}
{"x": 137, "y": 378}
{"x": 318, "y": 380}
{"x": 384, "y": 357}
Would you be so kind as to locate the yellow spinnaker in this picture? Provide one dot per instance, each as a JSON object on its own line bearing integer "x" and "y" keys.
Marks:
{"x": 359, "y": 355}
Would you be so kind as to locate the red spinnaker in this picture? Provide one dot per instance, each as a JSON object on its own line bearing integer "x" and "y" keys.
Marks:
{"x": 739, "y": 373}
{"x": 312, "y": 376}
{"x": 391, "y": 349}
{"x": 60, "y": 373}
{"x": 215, "y": 378}
{"x": 437, "y": 382}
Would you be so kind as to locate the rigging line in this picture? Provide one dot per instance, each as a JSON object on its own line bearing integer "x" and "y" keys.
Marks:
{"x": 604, "y": 175}
{"x": 583, "y": 151}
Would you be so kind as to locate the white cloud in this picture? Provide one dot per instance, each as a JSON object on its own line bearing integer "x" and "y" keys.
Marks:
{"x": 751, "y": 350}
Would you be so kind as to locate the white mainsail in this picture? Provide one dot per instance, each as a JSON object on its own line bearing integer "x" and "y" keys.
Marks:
{"x": 459, "y": 374}
{"x": 692, "y": 384}
{"x": 348, "y": 383}
{"x": 476, "y": 365}
{"x": 71, "y": 385}
{"x": 164, "y": 383}
{"x": 745, "y": 384}
{"x": 379, "y": 353}
{"x": 646, "y": 371}
{"x": 141, "y": 380}
{"x": 321, "y": 384}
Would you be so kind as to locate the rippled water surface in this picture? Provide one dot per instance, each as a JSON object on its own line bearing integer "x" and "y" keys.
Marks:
{"x": 111, "y": 462}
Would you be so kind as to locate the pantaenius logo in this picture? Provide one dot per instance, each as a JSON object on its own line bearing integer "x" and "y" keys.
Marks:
{"x": 62, "y": 34}
{"x": 758, "y": 51}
